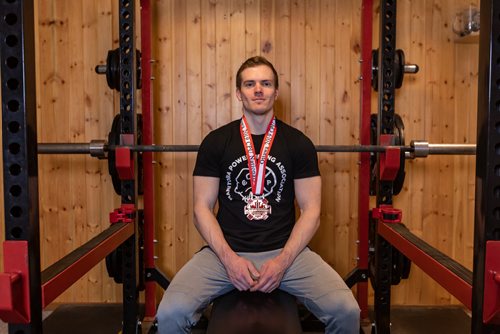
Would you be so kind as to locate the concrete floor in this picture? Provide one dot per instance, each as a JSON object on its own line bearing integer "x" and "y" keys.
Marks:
{"x": 106, "y": 319}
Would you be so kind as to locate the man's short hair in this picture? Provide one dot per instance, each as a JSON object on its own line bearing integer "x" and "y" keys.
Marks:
{"x": 254, "y": 62}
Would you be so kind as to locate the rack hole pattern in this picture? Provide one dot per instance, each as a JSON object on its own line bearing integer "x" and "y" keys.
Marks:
{"x": 14, "y": 151}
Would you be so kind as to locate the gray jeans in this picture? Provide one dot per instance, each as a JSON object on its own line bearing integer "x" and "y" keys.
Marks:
{"x": 310, "y": 279}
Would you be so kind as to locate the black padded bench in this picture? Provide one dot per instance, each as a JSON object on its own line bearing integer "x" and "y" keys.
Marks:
{"x": 255, "y": 312}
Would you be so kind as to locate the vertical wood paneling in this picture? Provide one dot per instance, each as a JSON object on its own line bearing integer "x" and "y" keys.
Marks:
{"x": 312, "y": 75}
{"x": 404, "y": 97}
{"x": 464, "y": 127}
{"x": 267, "y": 29}
{"x": 180, "y": 111}
{"x": 87, "y": 125}
{"x": 298, "y": 69}
{"x": 237, "y": 52}
{"x": 54, "y": 126}
{"x": 75, "y": 193}
{"x": 100, "y": 106}
{"x": 439, "y": 112}
{"x": 208, "y": 58}
{"x": 354, "y": 137}
{"x": 194, "y": 128}
{"x": 342, "y": 115}
{"x": 327, "y": 130}
{"x": 80, "y": 100}
{"x": 163, "y": 102}
{"x": 282, "y": 59}
{"x": 410, "y": 104}
{"x": 224, "y": 66}
{"x": 252, "y": 25}
{"x": 198, "y": 46}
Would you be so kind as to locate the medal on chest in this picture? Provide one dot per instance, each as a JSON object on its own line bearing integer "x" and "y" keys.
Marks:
{"x": 257, "y": 206}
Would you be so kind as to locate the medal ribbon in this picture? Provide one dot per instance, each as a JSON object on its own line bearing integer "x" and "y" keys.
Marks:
{"x": 256, "y": 169}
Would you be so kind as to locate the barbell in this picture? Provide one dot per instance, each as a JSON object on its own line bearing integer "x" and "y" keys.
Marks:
{"x": 103, "y": 149}
{"x": 416, "y": 149}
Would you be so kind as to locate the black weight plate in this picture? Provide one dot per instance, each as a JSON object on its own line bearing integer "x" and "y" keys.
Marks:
{"x": 400, "y": 140}
{"x": 114, "y": 139}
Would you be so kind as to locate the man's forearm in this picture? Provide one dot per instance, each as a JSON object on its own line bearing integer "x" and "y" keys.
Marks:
{"x": 209, "y": 228}
{"x": 308, "y": 194}
{"x": 302, "y": 233}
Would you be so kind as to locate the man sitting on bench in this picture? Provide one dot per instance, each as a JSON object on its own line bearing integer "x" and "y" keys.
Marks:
{"x": 255, "y": 243}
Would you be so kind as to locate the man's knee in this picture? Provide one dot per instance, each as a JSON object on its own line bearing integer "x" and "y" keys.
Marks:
{"x": 346, "y": 306}
{"x": 340, "y": 311}
{"x": 176, "y": 311}
{"x": 351, "y": 311}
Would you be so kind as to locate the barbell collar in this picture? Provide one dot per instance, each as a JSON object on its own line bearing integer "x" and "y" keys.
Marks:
{"x": 97, "y": 149}
{"x": 420, "y": 149}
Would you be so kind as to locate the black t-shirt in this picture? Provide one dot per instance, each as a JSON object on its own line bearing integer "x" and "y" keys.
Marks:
{"x": 222, "y": 155}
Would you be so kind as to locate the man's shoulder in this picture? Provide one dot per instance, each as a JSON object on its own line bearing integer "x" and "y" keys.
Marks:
{"x": 289, "y": 130}
{"x": 225, "y": 129}
{"x": 223, "y": 132}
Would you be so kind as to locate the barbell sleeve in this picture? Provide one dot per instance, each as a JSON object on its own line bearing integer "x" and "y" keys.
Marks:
{"x": 421, "y": 149}
{"x": 63, "y": 148}
{"x": 411, "y": 68}
{"x": 101, "y": 69}
{"x": 451, "y": 149}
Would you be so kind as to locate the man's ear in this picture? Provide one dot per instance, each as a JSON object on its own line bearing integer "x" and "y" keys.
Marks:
{"x": 238, "y": 94}
{"x": 276, "y": 95}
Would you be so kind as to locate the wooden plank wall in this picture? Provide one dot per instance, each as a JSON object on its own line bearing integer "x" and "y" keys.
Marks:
{"x": 75, "y": 105}
{"x": 438, "y": 105}
{"x": 198, "y": 46}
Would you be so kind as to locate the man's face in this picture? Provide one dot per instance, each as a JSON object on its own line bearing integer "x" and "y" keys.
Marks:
{"x": 258, "y": 91}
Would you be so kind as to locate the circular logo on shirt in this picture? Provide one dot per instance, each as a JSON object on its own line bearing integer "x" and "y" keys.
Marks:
{"x": 243, "y": 186}
{"x": 237, "y": 178}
